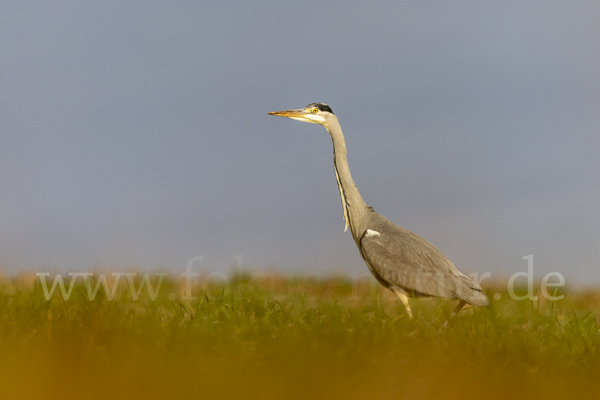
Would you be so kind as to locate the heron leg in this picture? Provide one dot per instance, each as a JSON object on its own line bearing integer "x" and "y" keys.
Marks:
{"x": 403, "y": 298}
{"x": 459, "y": 307}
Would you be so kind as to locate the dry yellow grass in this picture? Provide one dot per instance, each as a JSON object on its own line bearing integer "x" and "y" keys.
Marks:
{"x": 283, "y": 338}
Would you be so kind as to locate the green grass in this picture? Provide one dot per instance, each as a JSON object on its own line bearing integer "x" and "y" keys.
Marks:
{"x": 284, "y": 338}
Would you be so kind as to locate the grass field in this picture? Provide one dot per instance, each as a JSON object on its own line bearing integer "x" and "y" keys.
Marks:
{"x": 283, "y": 338}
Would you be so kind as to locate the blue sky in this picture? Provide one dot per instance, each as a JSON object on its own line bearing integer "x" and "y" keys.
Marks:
{"x": 135, "y": 134}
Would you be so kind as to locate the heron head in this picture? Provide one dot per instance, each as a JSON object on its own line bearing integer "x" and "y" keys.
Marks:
{"x": 315, "y": 113}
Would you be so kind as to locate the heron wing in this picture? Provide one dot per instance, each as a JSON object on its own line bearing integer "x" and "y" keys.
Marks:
{"x": 408, "y": 261}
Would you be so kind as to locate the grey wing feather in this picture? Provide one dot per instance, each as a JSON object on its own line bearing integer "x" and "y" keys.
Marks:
{"x": 408, "y": 261}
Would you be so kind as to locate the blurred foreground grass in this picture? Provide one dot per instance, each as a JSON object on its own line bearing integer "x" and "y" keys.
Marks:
{"x": 273, "y": 337}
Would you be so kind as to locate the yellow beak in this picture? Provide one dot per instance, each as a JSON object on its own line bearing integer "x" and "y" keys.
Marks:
{"x": 288, "y": 113}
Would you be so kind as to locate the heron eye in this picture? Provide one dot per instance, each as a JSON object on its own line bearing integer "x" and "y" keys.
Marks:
{"x": 315, "y": 110}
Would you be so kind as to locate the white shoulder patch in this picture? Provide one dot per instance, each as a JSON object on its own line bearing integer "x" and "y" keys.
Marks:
{"x": 371, "y": 233}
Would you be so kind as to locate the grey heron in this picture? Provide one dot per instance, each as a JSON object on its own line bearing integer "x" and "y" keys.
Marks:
{"x": 400, "y": 260}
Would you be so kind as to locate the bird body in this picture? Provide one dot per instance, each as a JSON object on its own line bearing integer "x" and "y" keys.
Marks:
{"x": 400, "y": 260}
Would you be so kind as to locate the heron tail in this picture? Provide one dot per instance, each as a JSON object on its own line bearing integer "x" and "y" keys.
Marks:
{"x": 469, "y": 291}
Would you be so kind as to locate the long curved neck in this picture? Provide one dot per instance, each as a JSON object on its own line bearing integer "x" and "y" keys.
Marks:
{"x": 353, "y": 205}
